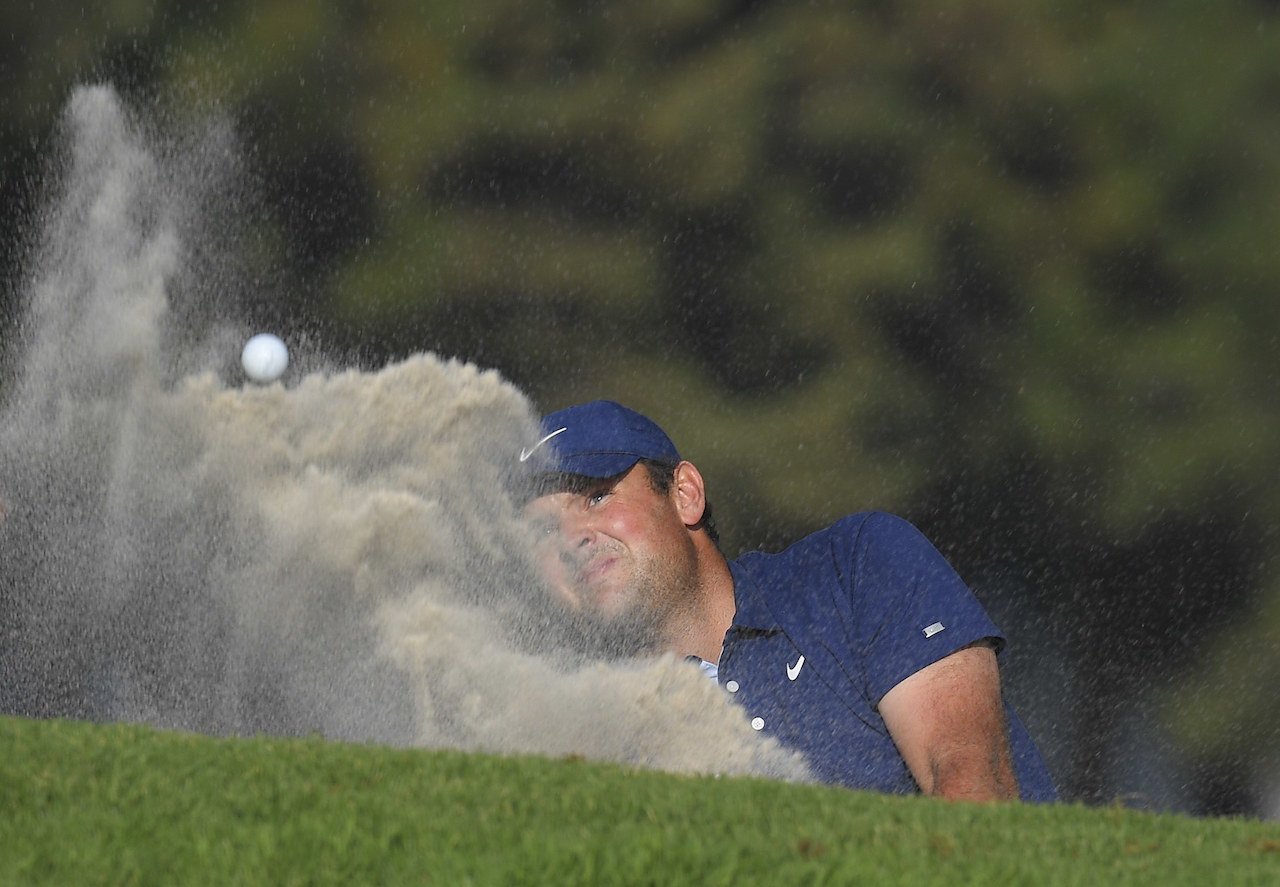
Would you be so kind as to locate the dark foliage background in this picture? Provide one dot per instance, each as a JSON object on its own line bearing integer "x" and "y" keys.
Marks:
{"x": 1005, "y": 267}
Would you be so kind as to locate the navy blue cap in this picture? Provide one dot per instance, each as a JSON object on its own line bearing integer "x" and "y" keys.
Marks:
{"x": 598, "y": 439}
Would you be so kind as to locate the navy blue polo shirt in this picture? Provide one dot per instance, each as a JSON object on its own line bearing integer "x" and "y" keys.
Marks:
{"x": 824, "y": 629}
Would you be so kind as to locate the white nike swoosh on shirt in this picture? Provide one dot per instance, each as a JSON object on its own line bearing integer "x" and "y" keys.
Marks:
{"x": 793, "y": 671}
{"x": 525, "y": 454}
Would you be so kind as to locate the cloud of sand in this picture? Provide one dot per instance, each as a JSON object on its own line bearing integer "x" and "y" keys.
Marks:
{"x": 337, "y": 554}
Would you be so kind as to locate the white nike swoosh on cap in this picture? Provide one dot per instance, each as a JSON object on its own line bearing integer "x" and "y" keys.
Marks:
{"x": 525, "y": 454}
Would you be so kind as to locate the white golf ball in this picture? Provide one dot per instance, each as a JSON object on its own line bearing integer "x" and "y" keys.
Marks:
{"x": 264, "y": 358}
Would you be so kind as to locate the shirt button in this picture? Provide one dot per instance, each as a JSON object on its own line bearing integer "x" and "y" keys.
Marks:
{"x": 731, "y": 686}
{"x": 757, "y": 723}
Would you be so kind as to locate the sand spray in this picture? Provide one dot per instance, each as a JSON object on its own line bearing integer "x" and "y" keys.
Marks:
{"x": 336, "y": 555}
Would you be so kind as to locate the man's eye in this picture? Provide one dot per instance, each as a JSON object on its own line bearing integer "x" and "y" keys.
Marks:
{"x": 596, "y": 497}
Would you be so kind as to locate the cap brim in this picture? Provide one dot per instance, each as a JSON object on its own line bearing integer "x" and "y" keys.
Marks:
{"x": 599, "y": 465}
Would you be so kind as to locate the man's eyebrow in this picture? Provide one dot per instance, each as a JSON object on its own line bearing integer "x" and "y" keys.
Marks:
{"x": 575, "y": 484}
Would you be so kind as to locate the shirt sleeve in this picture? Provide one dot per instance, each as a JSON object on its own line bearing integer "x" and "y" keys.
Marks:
{"x": 910, "y": 607}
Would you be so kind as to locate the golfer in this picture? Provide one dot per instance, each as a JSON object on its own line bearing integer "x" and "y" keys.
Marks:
{"x": 858, "y": 646}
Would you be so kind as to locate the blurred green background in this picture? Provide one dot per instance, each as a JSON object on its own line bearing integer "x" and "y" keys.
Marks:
{"x": 1004, "y": 267}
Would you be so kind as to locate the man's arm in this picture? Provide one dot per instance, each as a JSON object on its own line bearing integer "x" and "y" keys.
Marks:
{"x": 948, "y": 723}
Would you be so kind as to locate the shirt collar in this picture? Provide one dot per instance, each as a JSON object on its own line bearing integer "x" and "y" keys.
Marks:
{"x": 752, "y": 610}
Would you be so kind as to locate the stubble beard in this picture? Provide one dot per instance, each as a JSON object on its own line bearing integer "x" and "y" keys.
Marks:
{"x": 658, "y": 595}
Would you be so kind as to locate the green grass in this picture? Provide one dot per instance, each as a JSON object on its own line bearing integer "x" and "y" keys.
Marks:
{"x": 84, "y": 804}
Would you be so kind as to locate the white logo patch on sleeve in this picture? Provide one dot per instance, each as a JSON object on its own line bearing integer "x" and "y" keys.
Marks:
{"x": 931, "y": 630}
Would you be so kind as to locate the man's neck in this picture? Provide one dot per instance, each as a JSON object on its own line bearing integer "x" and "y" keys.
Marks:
{"x": 702, "y": 629}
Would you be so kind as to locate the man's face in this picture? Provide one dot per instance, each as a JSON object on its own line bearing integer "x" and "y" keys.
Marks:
{"x": 618, "y": 555}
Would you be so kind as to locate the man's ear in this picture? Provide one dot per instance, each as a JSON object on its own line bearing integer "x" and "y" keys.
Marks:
{"x": 689, "y": 493}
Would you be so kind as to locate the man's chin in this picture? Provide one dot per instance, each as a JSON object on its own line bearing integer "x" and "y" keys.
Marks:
{"x": 617, "y": 636}
{"x": 608, "y": 604}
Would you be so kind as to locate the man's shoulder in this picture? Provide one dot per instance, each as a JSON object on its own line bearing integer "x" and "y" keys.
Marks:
{"x": 868, "y": 554}
{"x": 826, "y": 558}
{"x": 859, "y": 529}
